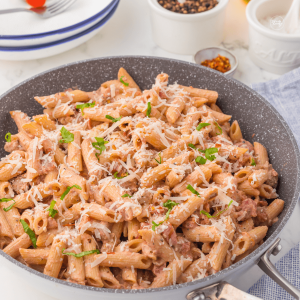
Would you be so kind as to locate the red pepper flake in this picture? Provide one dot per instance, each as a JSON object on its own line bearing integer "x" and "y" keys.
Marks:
{"x": 220, "y": 63}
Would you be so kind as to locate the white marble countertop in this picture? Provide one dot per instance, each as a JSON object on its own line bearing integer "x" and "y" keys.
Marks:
{"x": 129, "y": 33}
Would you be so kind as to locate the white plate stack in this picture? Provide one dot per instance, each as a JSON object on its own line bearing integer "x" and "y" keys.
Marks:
{"x": 26, "y": 36}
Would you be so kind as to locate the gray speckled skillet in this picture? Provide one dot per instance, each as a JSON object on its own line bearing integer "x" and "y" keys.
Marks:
{"x": 258, "y": 120}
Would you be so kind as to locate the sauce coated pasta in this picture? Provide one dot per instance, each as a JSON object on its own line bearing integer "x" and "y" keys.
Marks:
{"x": 128, "y": 189}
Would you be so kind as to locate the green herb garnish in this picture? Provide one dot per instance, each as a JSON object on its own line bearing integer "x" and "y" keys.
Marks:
{"x": 68, "y": 190}
{"x": 85, "y": 105}
{"x": 201, "y": 160}
{"x": 30, "y": 233}
{"x": 189, "y": 187}
{"x": 202, "y": 125}
{"x": 99, "y": 145}
{"x": 126, "y": 195}
{"x": 81, "y": 254}
{"x": 253, "y": 163}
{"x": 67, "y": 136}
{"x": 219, "y": 128}
{"x": 156, "y": 225}
{"x": 8, "y": 137}
{"x": 148, "y": 112}
{"x": 120, "y": 177}
{"x": 220, "y": 212}
{"x": 122, "y": 81}
{"x": 169, "y": 205}
{"x": 208, "y": 153}
{"x": 52, "y": 211}
{"x": 113, "y": 119}
{"x": 159, "y": 162}
{"x": 6, "y": 209}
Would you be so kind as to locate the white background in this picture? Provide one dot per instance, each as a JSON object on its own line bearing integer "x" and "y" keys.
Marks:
{"x": 129, "y": 33}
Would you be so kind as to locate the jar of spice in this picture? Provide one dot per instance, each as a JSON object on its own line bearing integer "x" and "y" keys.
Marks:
{"x": 184, "y": 27}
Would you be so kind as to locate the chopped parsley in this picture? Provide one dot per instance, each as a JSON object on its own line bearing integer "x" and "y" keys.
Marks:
{"x": 99, "y": 145}
{"x": 189, "y": 187}
{"x": 7, "y": 200}
{"x": 208, "y": 153}
{"x": 122, "y": 81}
{"x": 220, "y": 131}
{"x": 85, "y": 105}
{"x": 126, "y": 195}
{"x": 67, "y": 136}
{"x": 220, "y": 212}
{"x": 169, "y": 205}
{"x": 202, "y": 125}
{"x": 148, "y": 112}
{"x": 201, "y": 160}
{"x": 65, "y": 193}
{"x": 192, "y": 146}
{"x": 52, "y": 211}
{"x": 253, "y": 163}
{"x": 30, "y": 233}
{"x": 8, "y": 137}
{"x": 154, "y": 225}
{"x": 120, "y": 177}
{"x": 81, "y": 254}
{"x": 159, "y": 162}
{"x": 114, "y": 120}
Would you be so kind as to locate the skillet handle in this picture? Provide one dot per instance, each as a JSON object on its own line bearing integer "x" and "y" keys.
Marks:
{"x": 266, "y": 265}
{"x": 220, "y": 291}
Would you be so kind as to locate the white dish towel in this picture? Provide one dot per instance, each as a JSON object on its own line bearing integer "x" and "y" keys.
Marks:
{"x": 284, "y": 95}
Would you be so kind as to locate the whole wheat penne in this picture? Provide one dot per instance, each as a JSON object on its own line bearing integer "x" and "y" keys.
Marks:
{"x": 108, "y": 279}
{"x": 220, "y": 248}
{"x": 261, "y": 155}
{"x": 99, "y": 114}
{"x": 174, "y": 111}
{"x": 35, "y": 256}
{"x": 171, "y": 275}
{"x": 203, "y": 234}
{"x": 192, "y": 272}
{"x": 45, "y": 122}
{"x": 72, "y": 96}
{"x": 5, "y": 229}
{"x": 247, "y": 240}
{"x": 55, "y": 258}
{"x": 211, "y": 96}
{"x": 13, "y": 249}
{"x": 127, "y": 78}
{"x": 74, "y": 159}
{"x": 235, "y": 132}
{"x": 123, "y": 259}
{"x": 161, "y": 171}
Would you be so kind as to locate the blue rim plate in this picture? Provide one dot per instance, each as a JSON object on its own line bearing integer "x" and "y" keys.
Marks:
{"x": 62, "y": 30}
{"x": 71, "y": 38}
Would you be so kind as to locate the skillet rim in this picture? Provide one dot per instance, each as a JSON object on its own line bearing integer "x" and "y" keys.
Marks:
{"x": 254, "y": 256}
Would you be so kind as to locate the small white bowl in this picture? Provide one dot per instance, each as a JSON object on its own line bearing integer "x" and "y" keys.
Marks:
{"x": 213, "y": 52}
{"x": 187, "y": 33}
{"x": 271, "y": 50}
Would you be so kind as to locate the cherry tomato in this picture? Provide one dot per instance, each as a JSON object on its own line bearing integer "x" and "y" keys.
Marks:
{"x": 36, "y": 3}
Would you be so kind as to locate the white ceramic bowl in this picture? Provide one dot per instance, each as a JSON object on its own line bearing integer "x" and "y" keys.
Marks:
{"x": 50, "y": 49}
{"x": 212, "y": 52}
{"x": 46, "y": 36}
{"x": 186, "y": 34}
{"x": 271, "y": 50}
